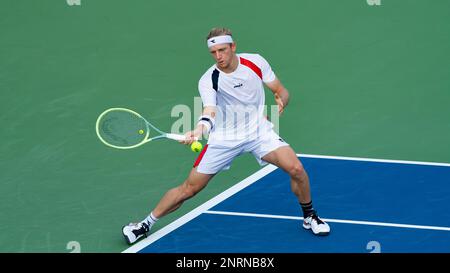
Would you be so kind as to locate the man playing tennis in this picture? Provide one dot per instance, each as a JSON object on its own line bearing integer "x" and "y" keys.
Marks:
{"x": 233, "y": 87}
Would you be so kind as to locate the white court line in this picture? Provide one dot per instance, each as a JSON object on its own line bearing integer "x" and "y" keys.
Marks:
{"x": 376, "y": 160}
{"x": 328, "y": 220}
{"x": 201, "y": 209}
{"x": 241, "y": 185}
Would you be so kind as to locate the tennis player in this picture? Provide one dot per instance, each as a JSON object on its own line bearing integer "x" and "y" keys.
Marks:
{"x": 232, "y": 93}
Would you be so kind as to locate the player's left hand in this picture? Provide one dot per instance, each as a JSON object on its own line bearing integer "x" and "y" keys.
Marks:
{"x": 280, "y": 104}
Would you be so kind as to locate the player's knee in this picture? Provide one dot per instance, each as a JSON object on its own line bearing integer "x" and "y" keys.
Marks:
{"x": 296, "y": 170}
{"x": 189, "y": 191}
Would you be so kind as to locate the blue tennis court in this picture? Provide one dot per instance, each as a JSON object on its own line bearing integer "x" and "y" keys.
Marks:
{"x": 371, "y": 205}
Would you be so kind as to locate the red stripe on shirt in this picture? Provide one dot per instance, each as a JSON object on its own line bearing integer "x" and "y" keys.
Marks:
{"x": 252, "y": 66}
{"x": 200, "y": 156}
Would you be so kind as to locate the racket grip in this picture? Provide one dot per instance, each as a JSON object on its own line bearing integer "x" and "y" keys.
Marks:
{"x": 177, "y": 137}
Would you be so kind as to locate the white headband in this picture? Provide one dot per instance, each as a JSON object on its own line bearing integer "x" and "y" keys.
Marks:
{"x": 225, "y": 39}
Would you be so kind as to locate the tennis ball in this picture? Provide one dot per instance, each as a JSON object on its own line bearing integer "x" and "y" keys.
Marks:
{"x": 141, "y": 132}
{"x": 196, "y": 146}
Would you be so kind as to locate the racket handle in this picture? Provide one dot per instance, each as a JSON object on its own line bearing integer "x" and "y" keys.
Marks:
{"x": 177, "y": 137}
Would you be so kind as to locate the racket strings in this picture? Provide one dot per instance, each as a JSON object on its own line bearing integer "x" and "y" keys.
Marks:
{"x": 122, "y": 128}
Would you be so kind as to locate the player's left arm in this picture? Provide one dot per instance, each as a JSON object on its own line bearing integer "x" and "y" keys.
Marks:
{"x": 281, "y": 94}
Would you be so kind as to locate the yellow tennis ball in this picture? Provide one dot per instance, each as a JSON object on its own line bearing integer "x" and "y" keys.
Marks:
{"x": 141, "y": 132}
{"x": 196, "y": 146}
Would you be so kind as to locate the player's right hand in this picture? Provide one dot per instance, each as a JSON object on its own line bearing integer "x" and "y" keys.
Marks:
{"x": 191, "y": 136}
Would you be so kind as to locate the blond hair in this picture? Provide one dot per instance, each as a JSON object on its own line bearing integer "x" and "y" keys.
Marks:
{"x": 218, "y": 31}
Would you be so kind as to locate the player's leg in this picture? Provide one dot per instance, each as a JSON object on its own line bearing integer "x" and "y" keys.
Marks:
{"x": 284, "y": 157}
{"x": 173, "y": 198}
{"x": 171, "y": 201}
{"x": 211, "y": 160}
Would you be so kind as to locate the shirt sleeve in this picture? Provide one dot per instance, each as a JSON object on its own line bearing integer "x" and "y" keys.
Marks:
{"x": 207, "y": 93}
{"x": 267, "y": 74}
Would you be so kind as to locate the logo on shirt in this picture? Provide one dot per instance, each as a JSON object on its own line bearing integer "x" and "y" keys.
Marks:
{"x": 73, "y": 2}
{"x": 238, "y": 85}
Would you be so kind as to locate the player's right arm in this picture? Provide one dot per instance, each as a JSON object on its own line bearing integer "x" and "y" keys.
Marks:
{"x": 202, "y": 128}
{"x": 206, "y": 120}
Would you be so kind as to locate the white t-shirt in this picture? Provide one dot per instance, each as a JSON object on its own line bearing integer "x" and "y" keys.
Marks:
{"x": 239, "y": 97}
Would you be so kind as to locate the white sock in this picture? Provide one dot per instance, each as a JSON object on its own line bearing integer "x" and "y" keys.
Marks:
{"x": 150, "y": 220}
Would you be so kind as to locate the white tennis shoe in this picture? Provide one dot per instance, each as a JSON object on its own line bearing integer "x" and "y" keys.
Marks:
{"x": 316, "y": 225}
{"x": 134, "y": 231}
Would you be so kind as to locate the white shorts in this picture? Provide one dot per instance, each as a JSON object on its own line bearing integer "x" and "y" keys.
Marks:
{"x": 215, "y": 158}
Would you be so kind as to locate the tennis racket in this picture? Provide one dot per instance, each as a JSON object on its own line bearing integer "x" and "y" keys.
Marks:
{"x": 123, "y": 128}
